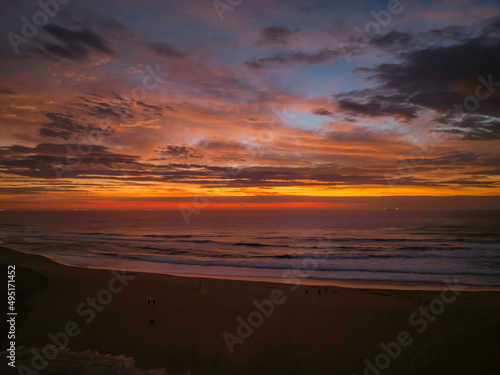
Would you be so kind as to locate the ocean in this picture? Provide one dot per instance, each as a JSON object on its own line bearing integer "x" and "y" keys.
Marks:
{"x": 349, "y": 245}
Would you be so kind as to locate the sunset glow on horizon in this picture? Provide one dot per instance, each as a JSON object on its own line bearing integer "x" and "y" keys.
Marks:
{"x": 127, "y": 108}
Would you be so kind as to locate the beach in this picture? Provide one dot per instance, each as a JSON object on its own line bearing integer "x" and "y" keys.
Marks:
{"x": 220, "y": 326}
{"x": 236, "y": 187}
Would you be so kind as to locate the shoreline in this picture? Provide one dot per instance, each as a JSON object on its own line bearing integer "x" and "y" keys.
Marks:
{"x": 316, "y": 282}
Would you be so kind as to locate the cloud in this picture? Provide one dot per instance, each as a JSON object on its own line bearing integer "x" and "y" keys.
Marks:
{"x": 393, "y": 39}
{"x": 38, "y": 190}
{"x": 452, "y": 158}
{"x": 446, "y": 73}
{"x": 12, "y": 150}
{"x": 167, "y": 50}
{"x": 75, "y": 45}
{"x": 100, "y": 163}
{"x": 77, "y": 160}
{"x": 182, "y": 152}
{"x": 156, "y": 110}
{"x": 399, "y": 41}
{"x": 290, "y": 58}
{"x": 276, "y": 35}
{"x": 65, "y": 127}
{"x": 102, "y": 109}
{"x": 373, "y": 103}
{"x": 438, "y": 77}
{"x": 125, "y": 112}
{"x": 57, "y": 149}
{"x": 321, "y": 112}
{"x": 216, "y": 114}
{"x": 222, "y": 145}
{"x": 473, "y": 127}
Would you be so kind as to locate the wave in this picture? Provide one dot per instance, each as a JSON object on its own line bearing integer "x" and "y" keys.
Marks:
{"x": 323, "y": 266}
{"x": 168, "y": 236}
{"x": 283, "y": 241}
{"x": 255, "y": 244}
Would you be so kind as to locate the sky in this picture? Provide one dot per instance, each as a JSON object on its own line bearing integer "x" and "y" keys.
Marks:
{"x": 257, "y": 104}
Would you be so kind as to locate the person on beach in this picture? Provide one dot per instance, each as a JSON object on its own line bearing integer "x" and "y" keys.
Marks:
{"x": 149, "y": 301}
{"x": 154, "y": 302}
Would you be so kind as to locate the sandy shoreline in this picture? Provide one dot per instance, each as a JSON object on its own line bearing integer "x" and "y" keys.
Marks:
{"x": 189, "y": 329}
{"x": 347, "y": 283}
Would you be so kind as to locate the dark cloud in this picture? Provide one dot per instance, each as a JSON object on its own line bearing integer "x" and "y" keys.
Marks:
{"x": 114, "y": 107}
{"x": 393, "y": 39}
{"x": 102, "y": 109}
{"x": 472, "y": 127}
{"x": 276, "y": 35}
{"x": 215, "y": 145}
{"x": 65, "y": 127}
{"x": 321, "y": 112}
{"x": 487, "y": 172}
{"x": 47, "y": 160}
{"x": 57, "y": 149}
{"x": 465, "y": 182}
{"x": 453, "y": 158}
{"x": 11, "y": 150}
{"x": 291, "y": 58}
{"x": 449, "y": 73}
{"x": 38, "y": 190}
{"x": 75, "y": 45}
{"x": 451, "y": 33}
{"x": 439, "y": 77}
{"x": 400, "y": 41}
{"x": 156, "y": 110}
{"x": 287, "y": 176}
{"x": 183, "y": 152}
{"x": 167, "y": 50}
{"x": 373, "y": 103}
{"x": 99, "y": 163}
